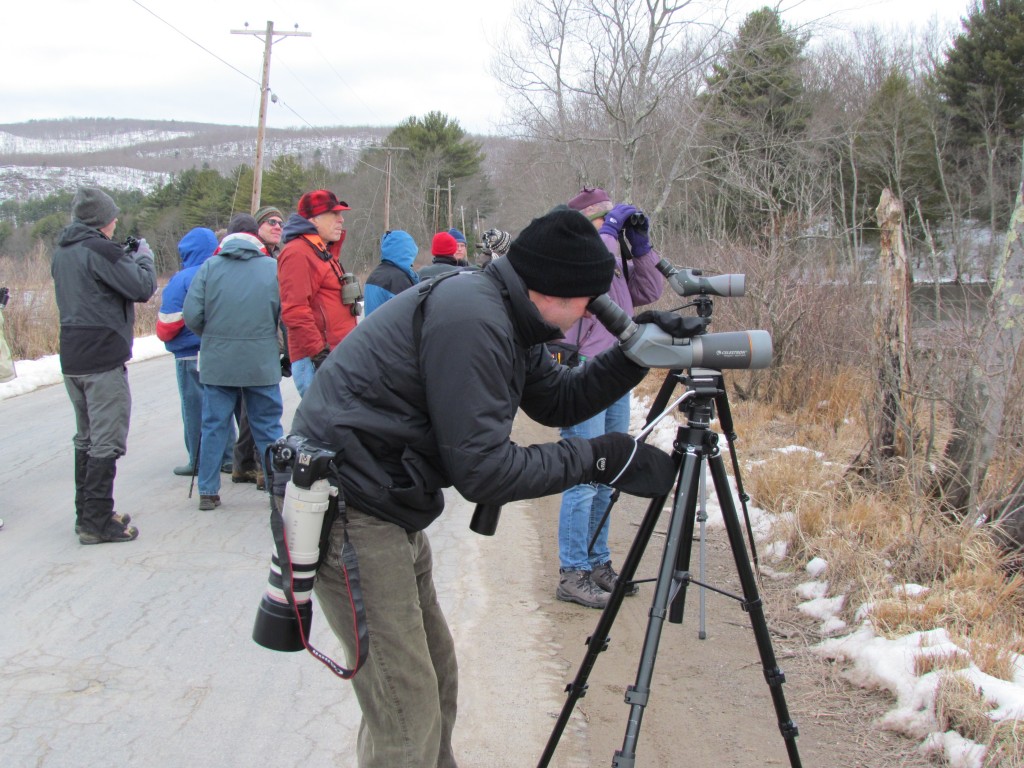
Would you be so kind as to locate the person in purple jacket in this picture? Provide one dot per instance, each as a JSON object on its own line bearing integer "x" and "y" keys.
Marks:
{"x": 586, "y": 577}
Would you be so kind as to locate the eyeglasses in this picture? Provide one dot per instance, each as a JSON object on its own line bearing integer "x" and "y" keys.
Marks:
{"x": 274, "y": 222}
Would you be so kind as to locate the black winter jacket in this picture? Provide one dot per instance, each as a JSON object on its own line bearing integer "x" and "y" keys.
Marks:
{"x": 409, "y": 419}
{"x": 97, "y": 285}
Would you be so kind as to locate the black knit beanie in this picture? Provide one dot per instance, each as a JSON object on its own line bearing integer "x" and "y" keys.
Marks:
{"x": 242, "y": 222}
{"x": 561, "y": 254}
{"x": 94, "y": 207}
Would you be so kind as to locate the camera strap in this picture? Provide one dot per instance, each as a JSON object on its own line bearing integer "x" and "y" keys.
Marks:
{"x": 350, "y": 570}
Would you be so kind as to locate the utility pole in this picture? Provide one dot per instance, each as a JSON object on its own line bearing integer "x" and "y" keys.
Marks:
{"x": 268, "y": 42}
{"x": 450, "y": 225}
{"x": 437, "y": 206}
{"x": 387, "y": 182}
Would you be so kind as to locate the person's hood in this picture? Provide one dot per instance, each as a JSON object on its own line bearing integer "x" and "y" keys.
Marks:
{"x": 76, "y": 232}
{"x": 196, "y": 247}
{"x": 242, "y": 246}
{"x": 399, "y": 248}
{"x": 295, "y": 227}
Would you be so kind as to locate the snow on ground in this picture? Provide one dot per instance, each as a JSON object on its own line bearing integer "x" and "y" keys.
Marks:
{"x": 32, "y": 374}
{"x": 24, "y": 181}
{"x": 12, "y": 144}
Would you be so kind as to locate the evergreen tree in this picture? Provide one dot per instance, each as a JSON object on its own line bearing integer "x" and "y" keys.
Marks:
{"x": 982, "y": 79}
{"x": 757, "y": 113}
{"x": 981, "y": 84}
{"x": 284, "y": 183}
{"x": 438, "y": 151}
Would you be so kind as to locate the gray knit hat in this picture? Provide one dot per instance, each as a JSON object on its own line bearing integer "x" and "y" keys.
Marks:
{"x": 266, "y": 212}
{"x": 94, "y": 207}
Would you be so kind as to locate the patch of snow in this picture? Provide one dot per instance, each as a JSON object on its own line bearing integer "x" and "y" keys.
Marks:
{"x": 816, "y": 566}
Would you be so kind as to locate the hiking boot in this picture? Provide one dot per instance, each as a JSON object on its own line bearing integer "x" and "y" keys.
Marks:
{"x": 227, "y": 467}
{"x": 121, "y": 520}
{"x": 261, "y": 483}
{"x": 245, "y": 476}
{"x": 206, "y": 503}
{"x": 185, "y": 470}
{"x": 113, "y": 531}
{"x": 577, "y": 587}
{"x": 605, "y": 577}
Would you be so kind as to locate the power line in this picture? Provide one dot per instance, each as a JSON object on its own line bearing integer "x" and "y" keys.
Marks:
{"x": 198, "y": 44}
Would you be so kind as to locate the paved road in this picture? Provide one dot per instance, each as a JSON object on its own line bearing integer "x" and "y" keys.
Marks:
{"x": 139, "y": 654}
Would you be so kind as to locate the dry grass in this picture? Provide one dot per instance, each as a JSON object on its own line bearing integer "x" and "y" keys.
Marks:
{"x": 31, "y": 320}
{"x": 960, "y": 706}
{"x": 875, "y": 539}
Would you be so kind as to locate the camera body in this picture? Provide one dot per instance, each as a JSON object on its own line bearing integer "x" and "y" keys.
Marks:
{"x": 306, "y": 460}
{"x": 131, "y": 245}
{"x": 286, "y": 611}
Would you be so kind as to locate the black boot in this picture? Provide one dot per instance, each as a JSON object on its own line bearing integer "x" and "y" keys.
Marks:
{"x": 81, "y": 469}
{"x": 81, "y": 462}
{"x": 99, "y": 522}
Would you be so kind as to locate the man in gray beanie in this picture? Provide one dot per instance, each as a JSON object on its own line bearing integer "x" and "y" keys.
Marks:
{"x": 97, "y": 283}
{"x": 383, "y": 401}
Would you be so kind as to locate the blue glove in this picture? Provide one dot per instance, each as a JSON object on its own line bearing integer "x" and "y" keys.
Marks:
{"x": 616, "y": 219}
{"x": 637, "y": 228}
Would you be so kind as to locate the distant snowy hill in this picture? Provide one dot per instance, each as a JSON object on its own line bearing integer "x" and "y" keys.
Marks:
{"x": 41, "y": 157}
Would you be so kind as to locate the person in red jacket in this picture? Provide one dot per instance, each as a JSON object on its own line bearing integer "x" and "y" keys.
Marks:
{"x": 316, "y": 310}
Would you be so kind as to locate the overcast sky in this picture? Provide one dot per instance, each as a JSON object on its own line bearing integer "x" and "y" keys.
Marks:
{"x": 373, "y": 62}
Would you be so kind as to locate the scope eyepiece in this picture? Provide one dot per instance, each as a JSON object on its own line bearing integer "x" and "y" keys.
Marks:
{"x": 612, "y": 316}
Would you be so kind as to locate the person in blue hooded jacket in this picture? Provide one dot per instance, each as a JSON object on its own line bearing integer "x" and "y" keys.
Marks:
{"x": 234, "y": 306}
{"x": 394, "y": 273}
{"x": 194, "y": 248}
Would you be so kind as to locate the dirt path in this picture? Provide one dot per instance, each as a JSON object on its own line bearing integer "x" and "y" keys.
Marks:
{"x": 710, "y": 704}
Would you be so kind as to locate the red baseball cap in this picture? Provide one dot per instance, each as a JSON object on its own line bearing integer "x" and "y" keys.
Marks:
{"x": 320, "y": 201}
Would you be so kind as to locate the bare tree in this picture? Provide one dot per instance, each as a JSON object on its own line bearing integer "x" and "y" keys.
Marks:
{"x": 596, "y": 77}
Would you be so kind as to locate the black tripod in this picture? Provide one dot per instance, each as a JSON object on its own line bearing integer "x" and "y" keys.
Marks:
{"x": 694, "y": 444}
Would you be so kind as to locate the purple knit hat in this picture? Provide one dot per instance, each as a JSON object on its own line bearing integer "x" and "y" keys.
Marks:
{"x": 592, "y": 202}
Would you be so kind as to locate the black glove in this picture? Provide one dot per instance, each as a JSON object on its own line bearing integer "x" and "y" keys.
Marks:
{"x": 632, "y": 467}
{"x": 318, "y": 359}
{"x": 286, "y": 366}
{"x": 675, "y": 325}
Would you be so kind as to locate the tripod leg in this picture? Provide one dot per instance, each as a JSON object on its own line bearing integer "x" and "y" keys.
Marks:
{"x": 752, "y": 605}
{"x": 598, "y": 641}
{"x": 678, "y": 544}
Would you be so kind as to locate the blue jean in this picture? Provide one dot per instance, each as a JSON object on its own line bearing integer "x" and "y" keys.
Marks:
{"x": 583, "y": 506}
{"x": 264, "y": 408}
{"x": 302, "y": 374}
{"x": 191, "y": 393}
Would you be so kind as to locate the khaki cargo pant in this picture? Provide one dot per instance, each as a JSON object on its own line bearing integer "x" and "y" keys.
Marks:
{"x": 408, "y": 687}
